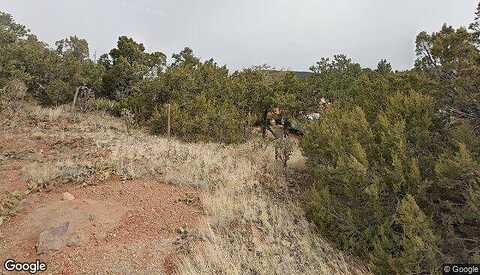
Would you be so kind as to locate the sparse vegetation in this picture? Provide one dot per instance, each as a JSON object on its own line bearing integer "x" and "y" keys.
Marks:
{"x": 245, "y": 222}
{"x": 392, "y": 158}
{"x": 244, "y": 219}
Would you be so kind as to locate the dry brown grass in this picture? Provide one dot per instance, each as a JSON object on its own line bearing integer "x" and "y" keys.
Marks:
{"x": 248, "y": 230}
{"x": 65, "y": 171}
{"x": 50, "y": 114}
{"x": 251, "y": 232}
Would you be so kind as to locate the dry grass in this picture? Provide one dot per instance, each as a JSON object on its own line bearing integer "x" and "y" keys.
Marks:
{"x": 66, "y": 171}
{"x": 248, "y": 230}
{"x": 11, "y": 97}
{"x": 249, "y": 233}
{"x": 50, "y": 114}
{"x": 39, "y": 173}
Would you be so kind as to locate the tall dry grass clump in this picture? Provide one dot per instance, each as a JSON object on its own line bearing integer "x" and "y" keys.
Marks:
{"x": 50, "y": 114}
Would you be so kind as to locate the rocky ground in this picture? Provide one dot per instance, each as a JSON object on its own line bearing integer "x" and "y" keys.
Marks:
{"x": 111, "y": 225}
{"x": 86, "y": 196}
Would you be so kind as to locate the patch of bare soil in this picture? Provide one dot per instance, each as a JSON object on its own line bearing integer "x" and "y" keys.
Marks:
{"x": 118, "y": 227}
{"x": 11, "y": 177}
{"x": 121, "y": 217}
{"x": 112, "y": 226}
{"x": 13, "y": 154}
{"x": 43, "y": 143}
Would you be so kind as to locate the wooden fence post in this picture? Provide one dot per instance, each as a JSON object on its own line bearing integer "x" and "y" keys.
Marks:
{"x": 75, "y": 97}
{"x": 168, "y": 121}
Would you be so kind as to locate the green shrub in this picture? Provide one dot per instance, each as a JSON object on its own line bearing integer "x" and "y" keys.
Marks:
{"x": 112, "y": 107}
{"x": 399, "y": 190}
{"x": 201, "y": 120}
{"x": 106, "y": 105}
{"x": 59, "y": 92}
{"x": 453, "y": 198}
{"x": 405, "y": 243}
{"x": 368, "y": 178}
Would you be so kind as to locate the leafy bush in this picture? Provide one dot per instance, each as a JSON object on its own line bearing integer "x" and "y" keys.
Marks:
{"x": 59, "y": 92}
{"x": 111, "y": 106}
{"x": 201, "y": 120}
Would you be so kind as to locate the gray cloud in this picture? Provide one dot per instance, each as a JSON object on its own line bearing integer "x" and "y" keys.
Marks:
{"x": 282, "y": 33}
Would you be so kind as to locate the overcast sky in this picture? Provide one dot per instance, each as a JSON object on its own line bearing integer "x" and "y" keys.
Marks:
{"x": 290, "y": 34}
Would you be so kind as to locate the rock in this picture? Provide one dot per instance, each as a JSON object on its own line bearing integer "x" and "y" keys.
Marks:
{"x": 53, "y": 239}
{"x": 86, "y": 218}
{"x": 68, "y": 197}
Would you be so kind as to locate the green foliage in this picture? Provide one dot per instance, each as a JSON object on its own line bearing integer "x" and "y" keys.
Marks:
{"x": 59, "y": 92}
{"x": 363, "y": 170}
{"x": 333, "y": 79}
{"x": 46, "y": 72}
{"x": 254, "y": 93}
{"x": 201, "y": 120}
{"x": 289, "y": 96}
{"x": 417, "y": 243}
{"x": 119, "y": 80}
{"x": 454, "y": 197}
{"x": 209, "y": 99}
{"x": 384, "y": 67}
{"x": 396, "y": 160}
{"x": 105, "y": 105}
{"x": 112, "y": 107}
{"x": 475, "y": 26}
{"x": 127, "y": 48}
{"x": 450, "y": 58}
{"x": 344, "y": 82}
{"x": 395, "y": 157}
{"x": 74, "y": 46}
{"x": 129, "y": 65}
{"x": 201, "y": 104}
{"x": 10, "y": 31}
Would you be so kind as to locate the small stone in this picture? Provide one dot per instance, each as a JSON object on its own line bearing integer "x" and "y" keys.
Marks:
{"x": 68, "y": 197}
{"x": 52, "y": 239}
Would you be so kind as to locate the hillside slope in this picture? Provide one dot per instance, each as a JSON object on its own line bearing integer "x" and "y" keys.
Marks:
{"x": 146, "y": 205}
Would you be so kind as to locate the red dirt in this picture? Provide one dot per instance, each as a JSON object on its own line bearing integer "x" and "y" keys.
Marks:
{"x": 11, "y": 176}
{"x": 142, "y": 242}
{"x": 125, "y": 227}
